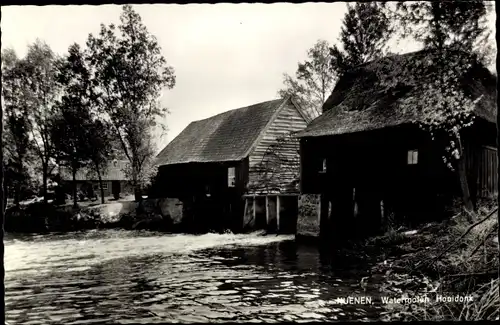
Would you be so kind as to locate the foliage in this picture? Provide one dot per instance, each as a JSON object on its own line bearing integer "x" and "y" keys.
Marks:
{"x": 131, "y": 73}
{"x": 15, "y": 139}
{"x": 314, "y": 80}
{"x": 440, "y": 24}
{"x": 307, "y": 221}
{"x": 100, "y": 138}
{"x": 72, "y": 142}
{"x": 364, "y": 35}
{"x": 70, "y": 124}
{"x": 146, "y": 155}
{"x": 41, "y": 69}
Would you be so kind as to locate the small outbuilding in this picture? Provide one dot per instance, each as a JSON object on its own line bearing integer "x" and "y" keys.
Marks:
{"x": 114, "y": 180}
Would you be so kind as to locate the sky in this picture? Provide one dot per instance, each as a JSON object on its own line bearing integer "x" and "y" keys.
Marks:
{"x": 225, "y": 56}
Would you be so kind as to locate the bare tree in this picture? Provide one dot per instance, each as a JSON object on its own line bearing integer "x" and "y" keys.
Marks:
{"x": 314, "y": 80}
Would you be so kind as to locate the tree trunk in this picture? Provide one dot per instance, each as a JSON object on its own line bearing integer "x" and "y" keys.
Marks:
{"x": 2, "y": 205}
{"x": 436, "y": 18}
{"x": 464, "y": 184}
{"x": 45, "y": 172}
{"x": 100, "y": 185}
{"x": 75, "y": 197}
{"x": 137, "y": 187}
{"x": 17, "y": 193}
{"x": 5, "y": 195}
{"x": 137, "y": 193}
{"x": 462, "y": 174}
{"x": 18, "y": 184}
{"x": 498, "y": 175}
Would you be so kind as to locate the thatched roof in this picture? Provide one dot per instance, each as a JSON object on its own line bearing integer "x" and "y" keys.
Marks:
{"x": 113, "y": 172}
{"x": 358, "y": 102}
{"x": 228, "y": 136}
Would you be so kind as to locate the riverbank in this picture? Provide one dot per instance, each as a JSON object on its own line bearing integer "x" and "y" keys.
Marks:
{"x": 454, "y": 263}
{"x": 149, "y": 214}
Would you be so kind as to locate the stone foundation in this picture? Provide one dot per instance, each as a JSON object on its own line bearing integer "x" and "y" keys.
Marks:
{"x": 165, "y": 213}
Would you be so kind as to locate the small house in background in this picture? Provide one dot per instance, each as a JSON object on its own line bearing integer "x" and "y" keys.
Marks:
{"x": 114, "y": 180}
{"x": 237, "y": 169}
{"x": 370, "y": 163}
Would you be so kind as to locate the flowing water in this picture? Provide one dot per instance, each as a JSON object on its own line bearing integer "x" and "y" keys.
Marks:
{"x": 144, "y": 277}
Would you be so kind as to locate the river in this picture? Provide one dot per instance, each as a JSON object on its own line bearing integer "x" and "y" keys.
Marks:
{"x": 120, "y": 277}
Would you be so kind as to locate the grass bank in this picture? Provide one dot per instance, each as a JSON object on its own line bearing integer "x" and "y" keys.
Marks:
{"x": 454, "y": 258}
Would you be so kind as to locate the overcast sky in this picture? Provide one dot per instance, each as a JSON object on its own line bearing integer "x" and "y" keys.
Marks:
{"x": 225, "y": 56}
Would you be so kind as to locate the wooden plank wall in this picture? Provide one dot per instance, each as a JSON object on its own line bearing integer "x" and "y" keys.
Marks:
{"x": 289, "y": 120}
{"x": 488, "y": 177}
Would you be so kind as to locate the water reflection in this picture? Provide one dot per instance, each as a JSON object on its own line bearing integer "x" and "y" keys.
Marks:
{"x": 125, "y": 277}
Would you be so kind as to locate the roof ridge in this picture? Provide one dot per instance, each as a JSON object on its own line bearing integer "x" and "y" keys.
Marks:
{"x": 388, "y": 56}
{"x": 236, "y": 109}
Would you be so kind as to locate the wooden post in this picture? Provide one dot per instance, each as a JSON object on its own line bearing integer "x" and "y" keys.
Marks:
{"x": 323, "y": 215}
{"x": 301, "y": 166}
{"x": 382, "y": 213}
{"x": 245, "y": 212}
{"x": 319, "y": 210}
{"x": 278, "y": 208}
{"x": 267, "y": 211}
{"x": 254, "y": 208}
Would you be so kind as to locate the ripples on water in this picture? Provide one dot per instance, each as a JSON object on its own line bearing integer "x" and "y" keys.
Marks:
{"x": 134, "y": 277}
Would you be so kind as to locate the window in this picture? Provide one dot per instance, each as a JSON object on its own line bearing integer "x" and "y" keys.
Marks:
{"x": 412, "y": 157}
{"x": 323, "y": 168}
{"x": 104, "y": 185}
{"x": 231, "y": 177}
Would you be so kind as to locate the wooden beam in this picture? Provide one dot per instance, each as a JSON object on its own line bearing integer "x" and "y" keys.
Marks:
{"x": 491, "y": 148}
{"x": 273, "y": 194}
